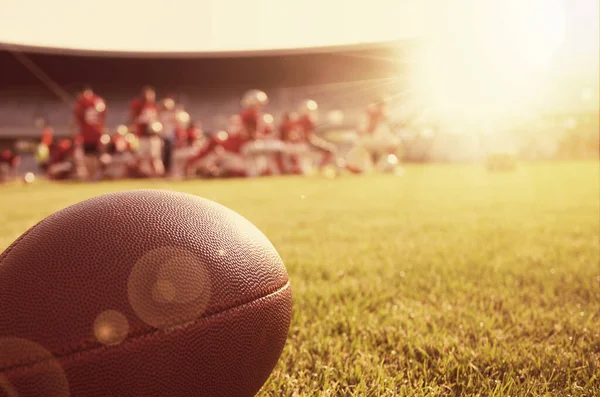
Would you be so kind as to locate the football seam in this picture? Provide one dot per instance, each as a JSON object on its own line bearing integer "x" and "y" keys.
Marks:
{"x": 150, "y": 333}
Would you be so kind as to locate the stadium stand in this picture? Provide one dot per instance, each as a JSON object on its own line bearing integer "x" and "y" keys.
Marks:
{"x": 209, "y": 88}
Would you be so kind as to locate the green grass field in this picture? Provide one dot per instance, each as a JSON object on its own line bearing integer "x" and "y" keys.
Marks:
{"x": 447, "y": 280}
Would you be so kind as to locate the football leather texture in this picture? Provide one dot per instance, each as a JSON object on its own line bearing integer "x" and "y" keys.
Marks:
{"x": 141, "y": 293}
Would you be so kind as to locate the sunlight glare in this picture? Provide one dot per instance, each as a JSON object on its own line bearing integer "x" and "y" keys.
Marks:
{"x": 486, "y": 58}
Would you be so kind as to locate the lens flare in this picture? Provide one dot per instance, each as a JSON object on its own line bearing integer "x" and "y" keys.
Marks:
{"x": 488, "y": 60}
{"x": 122, "y": 130}
{"x": 169, "y": 285}
{"x": 100, "y": 106}
{"x": 111, "y": 327}
{"x": 48, "y": 375}
{"x": 268, "y": 118}
{"x": 29, "y": 177}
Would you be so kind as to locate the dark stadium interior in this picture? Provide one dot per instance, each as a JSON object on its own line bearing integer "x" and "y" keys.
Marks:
{"x": 211, "y": 73}
{"x": 203, "y": 84}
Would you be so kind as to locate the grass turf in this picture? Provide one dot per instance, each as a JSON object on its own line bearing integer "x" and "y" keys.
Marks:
{"x": 447, "y": 280}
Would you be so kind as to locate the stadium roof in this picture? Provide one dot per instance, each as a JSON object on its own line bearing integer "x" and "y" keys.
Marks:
{"x": 342, "y": 48}
{"x": 211, "y": 28}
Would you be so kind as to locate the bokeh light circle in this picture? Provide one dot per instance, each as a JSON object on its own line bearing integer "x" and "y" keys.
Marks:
{"x": 168, "y": 286}
{"x": 111, "y": 327}
{"x": 31, "y": 368}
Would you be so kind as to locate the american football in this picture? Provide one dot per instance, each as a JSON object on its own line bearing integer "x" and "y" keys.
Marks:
{"x": 300, "y": 198}
{"x": 147, "y": 293}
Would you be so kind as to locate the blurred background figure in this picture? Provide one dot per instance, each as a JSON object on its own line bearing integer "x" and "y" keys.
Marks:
{"x": 253, "y": 103}
{"x": 251, "y": 137}
{"x": 167, "y": 117}
{"x": 90, "y": 115}
{"x": 307, "y": 125}
{"x": 8, "y": 165}
{"x": 377, "y": 136}
{"x": 62, "y": 160}
{"x": 271, "y": 146}
{"x": 144, "y": 120}
{"x": 42, "y": 150}
{"x": 120, "y": 155}
{"x": 291, "y": 135}
{"x": 188, "y": 141}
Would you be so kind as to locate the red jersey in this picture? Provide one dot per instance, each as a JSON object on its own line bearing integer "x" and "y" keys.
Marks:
{"x": 8, "y": 157}
{"x": 289, "y": 131}
{"x": 234, "y": 143}
{"x": 180, "y": 136}
{"x": 118, "y": 144}
{"x": 90, "y": 114}
{"x": 250, "y": 120}
{"x": 186, "y": 136}
{"x": 306, "y": 125}
{"x": 193, "y": 134}
{"x": 376, "y": 115}
{"x": 143, "y": 113}
{"x": 47, "y": 135}
{"x": 61, "y": 151}
{"x": 267, "y": 131}
{"x": 230, "y": 143}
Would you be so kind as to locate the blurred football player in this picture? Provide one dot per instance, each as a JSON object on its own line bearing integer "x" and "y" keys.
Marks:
{"x": 376, "y": 135}
{"x": 267, "y": 126}
{"x": 8, "y": 165}
{"x": 307, "y": 126}
{"x": 188, "y": 140}
{"x": 42, "y": 152}
{"x": 167, "y": 114}
{"x": 230, "y": 153}
{"x": 296, "y": 147}
{"x": 205, "y": 161}
{"x": 47, "y": 135}
{"x": 223, "y": 155}
{"x": 90, "y": 115}
{"x": 261, "y": 149}
{"x": 120, "y": 159}
{"x": 147, "y": 127}
{"x": 252, "y": 103}
{"x": 61, "y": 163}
{"x": 269, "y": 148}
{"x": 376, "y": 115}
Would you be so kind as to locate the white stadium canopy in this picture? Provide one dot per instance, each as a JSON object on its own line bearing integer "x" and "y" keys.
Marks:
{"x": 207, "y": 27}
